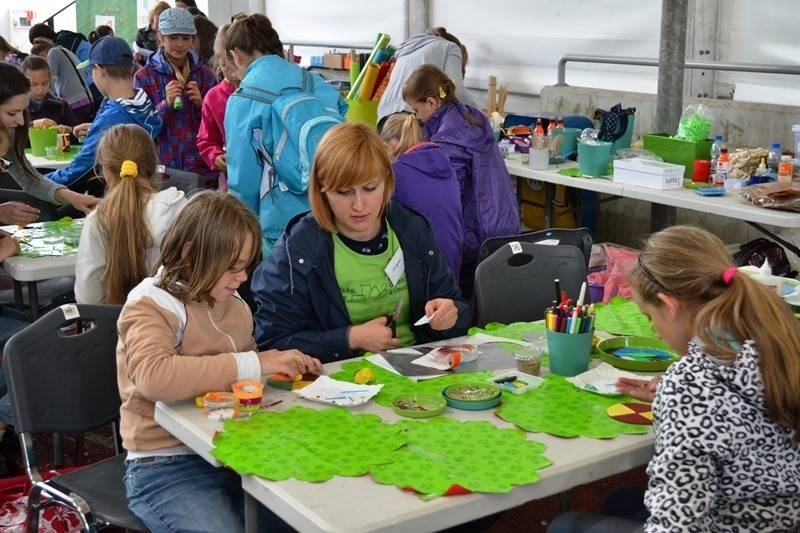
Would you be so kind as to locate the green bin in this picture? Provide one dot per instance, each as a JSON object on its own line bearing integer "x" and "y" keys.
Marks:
{"x": 365, "y": 111}
{"x": 41, "y": 138}
{"x": 678, "y": 151}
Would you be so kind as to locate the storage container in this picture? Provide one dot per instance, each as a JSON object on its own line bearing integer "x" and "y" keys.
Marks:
{"x": 648, "y": 173}
{"x": 678, "y": 151}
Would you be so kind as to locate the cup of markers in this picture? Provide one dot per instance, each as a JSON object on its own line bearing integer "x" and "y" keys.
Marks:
{"x": 570, "y": 329}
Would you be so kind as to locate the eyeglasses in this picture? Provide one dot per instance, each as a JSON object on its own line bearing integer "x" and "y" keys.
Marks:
{"x": 4, "y": 164}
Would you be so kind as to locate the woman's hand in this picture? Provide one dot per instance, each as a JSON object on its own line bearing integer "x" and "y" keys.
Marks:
{"x": 193, "y": 92}
{"x": 81, "y": 129}
{"x": 63, "y": 128}
{"x": 444, "y": 313}
{"x": 372, "y": 336}
{"x": 44, "y": 123}
{"x": 82, "y": 202}
{"x": 641, "y": 389}
{"x": 221, "y": 162}
{"x": 289, "y": 362}
{"x": 8, "y": 246}
{"x": 173, "y": 90}
{"x": 18, "y": 213}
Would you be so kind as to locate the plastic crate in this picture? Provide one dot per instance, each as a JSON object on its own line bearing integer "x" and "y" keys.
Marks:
{"x": 678, "y": 151}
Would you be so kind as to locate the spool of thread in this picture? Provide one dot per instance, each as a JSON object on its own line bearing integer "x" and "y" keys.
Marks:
{"x": 701, "y": 171}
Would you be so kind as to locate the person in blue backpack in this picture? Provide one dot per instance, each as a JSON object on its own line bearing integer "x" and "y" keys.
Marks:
{"x": 272, "y": 127}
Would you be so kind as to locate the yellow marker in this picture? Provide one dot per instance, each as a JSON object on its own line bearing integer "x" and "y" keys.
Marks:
{"x": 298, "y": 377}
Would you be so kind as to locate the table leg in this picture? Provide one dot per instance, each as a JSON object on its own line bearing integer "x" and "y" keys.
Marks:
{"x": 661, "y": 217}
{"x": 250, "y": 513}
{"x": 19, "y": 301}
{"x": 33, "y": 299}
{"x": 549, "y": 195}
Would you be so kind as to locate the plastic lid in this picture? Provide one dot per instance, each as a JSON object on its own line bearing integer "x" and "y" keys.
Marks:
{"x": 786, "y": 158}
{"x": 776, "y": 144}
{"x": 796, "y": 128}
{"x": 719, "y": 135}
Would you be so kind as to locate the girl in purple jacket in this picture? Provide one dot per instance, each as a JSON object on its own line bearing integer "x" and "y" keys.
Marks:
{"x": 488, "y": 200}
{"x": 425, "y": 182}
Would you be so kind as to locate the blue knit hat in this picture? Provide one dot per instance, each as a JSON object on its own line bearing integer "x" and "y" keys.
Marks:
{"x": 176, "y": 21}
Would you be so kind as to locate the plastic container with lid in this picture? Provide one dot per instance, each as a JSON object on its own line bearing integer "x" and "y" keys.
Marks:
{"x": 529, "y": 359}
{"x": 796, "y": 131}
{"x": 785, "y": 169}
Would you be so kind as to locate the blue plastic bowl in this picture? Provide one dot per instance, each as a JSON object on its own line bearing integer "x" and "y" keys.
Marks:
{"x": 471, "y": 396}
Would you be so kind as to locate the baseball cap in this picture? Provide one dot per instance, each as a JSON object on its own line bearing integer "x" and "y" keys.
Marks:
{"x": 176, "y": 20}
{"x": 109, "y": 51}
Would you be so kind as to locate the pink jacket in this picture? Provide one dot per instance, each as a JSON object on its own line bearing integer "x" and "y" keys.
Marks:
{"x": 211, "y": 136}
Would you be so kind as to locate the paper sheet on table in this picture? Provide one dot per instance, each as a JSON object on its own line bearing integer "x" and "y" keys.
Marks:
{"x": 343, "y": 393}
{"x": 601, "y": 379}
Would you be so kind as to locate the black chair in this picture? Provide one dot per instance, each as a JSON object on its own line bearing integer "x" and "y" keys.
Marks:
{"x": 67, "y": 383}
{"x": 47, "y": 210}
{"x": 581, "y": 238}
{"x": 516, "y": 283}
{"x": 188, "y": 182}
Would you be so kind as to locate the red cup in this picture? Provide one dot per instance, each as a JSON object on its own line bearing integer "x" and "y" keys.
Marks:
{"x": 701, "y": 171}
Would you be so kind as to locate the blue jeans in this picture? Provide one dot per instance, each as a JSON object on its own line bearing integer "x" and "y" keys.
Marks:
{"x": 184, "y": 493}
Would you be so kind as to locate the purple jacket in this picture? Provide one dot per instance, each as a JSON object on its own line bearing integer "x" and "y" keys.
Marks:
{"x": 425, "y": 182}
{"x": 487, "y": 194}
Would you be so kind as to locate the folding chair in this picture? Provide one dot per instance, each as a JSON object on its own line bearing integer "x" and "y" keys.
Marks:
{"x": 578, "y": 237}
{"x": 47, "y": 211}
{"x": 516, "y": 282}
{"x": 188, "y": 182}
{"x": 67, "y": 383}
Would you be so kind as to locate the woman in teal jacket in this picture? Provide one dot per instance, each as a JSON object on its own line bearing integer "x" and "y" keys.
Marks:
{"x": 251, "y": 127}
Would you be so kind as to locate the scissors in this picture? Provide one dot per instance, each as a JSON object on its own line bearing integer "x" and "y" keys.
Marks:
{"x": 391, "y": 318}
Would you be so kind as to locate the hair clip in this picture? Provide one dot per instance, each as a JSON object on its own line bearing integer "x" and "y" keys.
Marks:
{"x": 442, "y": 94}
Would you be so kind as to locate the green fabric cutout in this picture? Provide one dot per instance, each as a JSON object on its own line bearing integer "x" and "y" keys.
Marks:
{"x": 573, "y": 172}
{"x": 623, "y": 317}
{"x": 49, "y": 239}
{"x": 561, "y": 409}
{"x": 394, "y": 384}
{"x": 307, "y": 444}
{"x": 478, "y": 456}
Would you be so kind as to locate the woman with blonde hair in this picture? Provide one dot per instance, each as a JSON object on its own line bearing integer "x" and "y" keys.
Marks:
{"x": 121, "y": 238}
{"x": 727, "y": 414}
{"x": 425, "y": 181}
{"x": 356, "y": 273}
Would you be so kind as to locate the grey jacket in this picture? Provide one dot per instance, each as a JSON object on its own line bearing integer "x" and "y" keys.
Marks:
{"x": 416, "y": 51}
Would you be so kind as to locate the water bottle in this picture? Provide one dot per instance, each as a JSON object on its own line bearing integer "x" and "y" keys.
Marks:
{"x": 716, "y": 148}
{"x": 773, "y": 160}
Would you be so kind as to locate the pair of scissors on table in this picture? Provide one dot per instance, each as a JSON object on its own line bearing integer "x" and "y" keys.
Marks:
{"x": 391, "y": 318}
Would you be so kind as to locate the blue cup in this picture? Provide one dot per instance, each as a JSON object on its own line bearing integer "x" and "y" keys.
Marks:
{"x": 569, "y": 353}
{"x": 594, "y": 158}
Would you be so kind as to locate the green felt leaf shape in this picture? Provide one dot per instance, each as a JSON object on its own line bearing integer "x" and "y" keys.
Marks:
{"x": 394, "y": 384}
{"x": 476, "y": 455}
{"x": 307, "y": 444}
{"x": 561, "y": 409}
{"x": 623, "y": 317}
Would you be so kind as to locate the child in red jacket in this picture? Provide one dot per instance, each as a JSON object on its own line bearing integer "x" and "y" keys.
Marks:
{"x": 211, "y": 137}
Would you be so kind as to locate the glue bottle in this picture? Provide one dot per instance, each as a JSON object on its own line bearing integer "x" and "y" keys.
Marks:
{"x": 785, "y": 169}
{"x": 766, "y": 278}
{"x": 723, "y": 167}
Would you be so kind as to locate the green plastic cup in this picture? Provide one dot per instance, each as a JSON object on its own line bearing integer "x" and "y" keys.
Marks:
{"x": 41, "y": 138}
{"x": 594, "y": 158}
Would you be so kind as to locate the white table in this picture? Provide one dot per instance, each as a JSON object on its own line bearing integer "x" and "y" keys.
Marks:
{"x": 33, "y": 270}
{"x": 359, "y": 504}
{"x": 728, "y": 205}
{"x": 37, "y": 161}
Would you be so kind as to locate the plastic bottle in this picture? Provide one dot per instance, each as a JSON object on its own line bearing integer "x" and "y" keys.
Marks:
{"x": 766, "y": 278}
{"x": 538, "y": 129}
{"x": 560, "y": 123}
{"x": 785, "y": 168}
{"x": 551, "y": 125}
{"x": 773, "y": 160}
{"x": 716, "y": 148}
{"x": 177, "y": 104}
{"x": 761, "y": 173}
{"x": 723, "y": 167}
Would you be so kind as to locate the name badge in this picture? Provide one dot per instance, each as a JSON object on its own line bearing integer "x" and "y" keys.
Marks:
{"x": 396, "y": 267}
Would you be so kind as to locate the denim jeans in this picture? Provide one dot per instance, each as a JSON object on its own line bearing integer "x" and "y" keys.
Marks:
{"x": 184, "y": 493}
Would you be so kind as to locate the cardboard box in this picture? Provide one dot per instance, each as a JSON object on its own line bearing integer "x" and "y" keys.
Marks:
{"x": 334, "y": 60}
{"x": 648, "y": 173}
{"x": 678, "y": 151}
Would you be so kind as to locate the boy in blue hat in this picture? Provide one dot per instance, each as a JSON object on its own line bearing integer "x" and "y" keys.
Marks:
{"x": 112, "y": 65}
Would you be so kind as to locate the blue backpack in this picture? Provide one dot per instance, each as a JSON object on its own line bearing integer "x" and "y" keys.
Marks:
{"x": 298, "y": 120}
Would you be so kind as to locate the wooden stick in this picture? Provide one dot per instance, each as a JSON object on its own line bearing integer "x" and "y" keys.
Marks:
{"x": 491, "y": 103}
{"x": 501, "y": 100}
